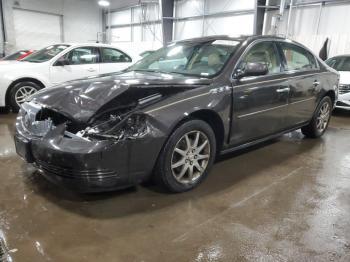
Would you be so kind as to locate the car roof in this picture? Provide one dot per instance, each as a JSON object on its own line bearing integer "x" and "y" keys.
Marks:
{"x": 227, "y": 37}
{"x": 86, "y": 44}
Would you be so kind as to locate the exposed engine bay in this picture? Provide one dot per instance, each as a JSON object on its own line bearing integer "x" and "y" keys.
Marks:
{"x": 120, "y": 122}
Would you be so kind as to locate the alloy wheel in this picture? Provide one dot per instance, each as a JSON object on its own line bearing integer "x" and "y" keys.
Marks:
{"x": 323, "y": 117}
{"x": 23, "y": 93}
{"x": 190, "y": 157}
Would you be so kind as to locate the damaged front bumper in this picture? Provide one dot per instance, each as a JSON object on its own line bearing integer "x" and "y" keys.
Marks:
{"x": 85, "y": 165}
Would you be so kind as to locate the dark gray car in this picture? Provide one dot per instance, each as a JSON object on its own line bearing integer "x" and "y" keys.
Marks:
{"x": 168, "y": 116}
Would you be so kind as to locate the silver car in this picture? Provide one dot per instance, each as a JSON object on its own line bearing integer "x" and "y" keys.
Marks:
{"x": 342, "y": 65}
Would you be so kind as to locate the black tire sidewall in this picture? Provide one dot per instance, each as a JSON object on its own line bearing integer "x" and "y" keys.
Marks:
{"x": 14, "y": 106}
{"x": 164, "y": 167}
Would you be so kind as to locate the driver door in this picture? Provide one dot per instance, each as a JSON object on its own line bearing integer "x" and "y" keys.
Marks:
{"x": 78, "y": 63}
{"x": 260, "y": 103}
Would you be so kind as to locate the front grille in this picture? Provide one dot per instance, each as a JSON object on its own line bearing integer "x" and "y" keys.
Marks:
{"x": 69, "y": 172}
{"x": 344, "y": 89}
{"x": 339, "y": 103}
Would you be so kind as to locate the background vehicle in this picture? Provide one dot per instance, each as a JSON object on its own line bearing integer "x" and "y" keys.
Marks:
{"x": 342, "y": 65}
{"x": 18, "y": 55}
{"x": 56, "y": 64}
{"x": 172, "y": 112}
{"x": 146, "y": 53}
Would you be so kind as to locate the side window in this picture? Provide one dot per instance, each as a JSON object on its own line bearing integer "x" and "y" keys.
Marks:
{"x": 297, "y": 58}
{"x": 265, "y": 53}
{"x": 82, "y": 56}
{"x": 110, "y": 55}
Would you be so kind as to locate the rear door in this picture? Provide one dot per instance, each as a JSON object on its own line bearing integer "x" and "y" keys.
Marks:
{"x": 113, "y": 60}
{"x": 305, "y": 82}
{"x": 82, "y": 62}
{"x": 259, "y": 103}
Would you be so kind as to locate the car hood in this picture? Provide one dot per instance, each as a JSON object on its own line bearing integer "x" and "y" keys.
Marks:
{"x": 17, "y": 65}
{"x": 344, "y": 77}
{"x": 82, "y": 99}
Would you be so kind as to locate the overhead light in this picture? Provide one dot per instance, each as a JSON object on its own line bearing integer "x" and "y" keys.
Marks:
{"x": 103, "y": 3}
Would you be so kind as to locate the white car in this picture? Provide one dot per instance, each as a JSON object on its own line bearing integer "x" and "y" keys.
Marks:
{"x": 342, "y": 65}
{"x": 56, "y": 64}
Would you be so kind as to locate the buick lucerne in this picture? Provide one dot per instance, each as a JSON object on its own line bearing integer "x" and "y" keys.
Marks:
{"x": 169, "y": 115}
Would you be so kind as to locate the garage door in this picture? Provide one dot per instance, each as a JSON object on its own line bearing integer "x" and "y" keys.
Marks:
{"x": 34, "y": 30}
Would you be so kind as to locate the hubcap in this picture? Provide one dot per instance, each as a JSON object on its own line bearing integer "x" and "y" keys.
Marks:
{"x": 190, "y": 157}
{"x": 323, "y": 117}
{"x": 24, "y": 92}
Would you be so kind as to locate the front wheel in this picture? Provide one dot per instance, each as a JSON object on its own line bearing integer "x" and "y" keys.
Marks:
{"x": 20, "y": 92}
{"x": 187, "y": 156}
{"x": 320, "y": 121}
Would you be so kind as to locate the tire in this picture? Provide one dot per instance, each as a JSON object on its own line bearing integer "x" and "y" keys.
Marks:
{"x": 320, "y": 121}
{"x": 21, "y": 90}
{"x": 172, "y": 178}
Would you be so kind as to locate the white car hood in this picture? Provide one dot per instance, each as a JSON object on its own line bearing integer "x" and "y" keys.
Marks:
{"x": 344, "y": 77}
{"x": 17, "y": 65}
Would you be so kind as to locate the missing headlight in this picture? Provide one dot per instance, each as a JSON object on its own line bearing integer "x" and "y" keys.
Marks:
{"x": 130, "y": 127}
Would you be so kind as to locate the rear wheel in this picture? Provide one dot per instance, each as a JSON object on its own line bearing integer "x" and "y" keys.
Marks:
{"x": 320, "y": 121}
{"x": 20, "y": 92}
{"x": 187, "y": 156}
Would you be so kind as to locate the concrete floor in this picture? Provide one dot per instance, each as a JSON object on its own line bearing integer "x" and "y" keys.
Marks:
{"x": 288, "y": 200}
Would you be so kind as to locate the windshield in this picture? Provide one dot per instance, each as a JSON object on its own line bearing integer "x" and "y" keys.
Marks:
{"x": 45, "y": 54}
{"x": 341, "y": 63}
{"x": 203, "y": 59}
{"x": 16, "y": 55}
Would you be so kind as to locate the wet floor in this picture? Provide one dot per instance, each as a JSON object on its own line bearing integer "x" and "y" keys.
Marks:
{"x": 287, "y": 200}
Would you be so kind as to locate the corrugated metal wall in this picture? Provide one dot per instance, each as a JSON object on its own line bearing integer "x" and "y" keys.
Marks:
{"x": 311, "y": 25}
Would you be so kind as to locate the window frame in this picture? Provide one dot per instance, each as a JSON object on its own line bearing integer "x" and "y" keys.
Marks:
{"x": 96, "y": 51}
{"x": 116, "y": 49}
{"x": 279, "y": 44}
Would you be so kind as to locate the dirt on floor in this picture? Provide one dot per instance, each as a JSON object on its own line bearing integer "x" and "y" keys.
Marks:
{"x": 286, "y": 200}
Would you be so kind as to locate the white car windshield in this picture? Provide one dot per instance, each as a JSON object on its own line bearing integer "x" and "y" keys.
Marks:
{"x": 45, "y": 54}
{"x": 202, "y": 59}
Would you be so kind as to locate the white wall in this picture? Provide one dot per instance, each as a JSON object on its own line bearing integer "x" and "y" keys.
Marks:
{"x": 310, "y": 29}
{"x": 137, "y": 37}
{"x": 82, "y": 19}
{"x": 222, "y": 24}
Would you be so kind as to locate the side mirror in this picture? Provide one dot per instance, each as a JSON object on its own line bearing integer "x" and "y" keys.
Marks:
{"x": 62, "y": 61}
{"x": 252, "y": 69}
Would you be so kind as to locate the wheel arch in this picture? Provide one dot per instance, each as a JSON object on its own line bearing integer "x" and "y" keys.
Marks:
{"x": 331, "y": 94}
{"x": 212, "y": 118}
{"x": 24, "y": 79}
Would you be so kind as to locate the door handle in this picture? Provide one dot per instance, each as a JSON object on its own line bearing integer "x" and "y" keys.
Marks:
{"x": 283, "y": 90}
{"x": 91, "y": 69}
{"x": 316, "y": 83}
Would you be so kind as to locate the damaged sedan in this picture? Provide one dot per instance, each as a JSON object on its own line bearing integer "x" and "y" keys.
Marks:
{"x": 168, "y": 116}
